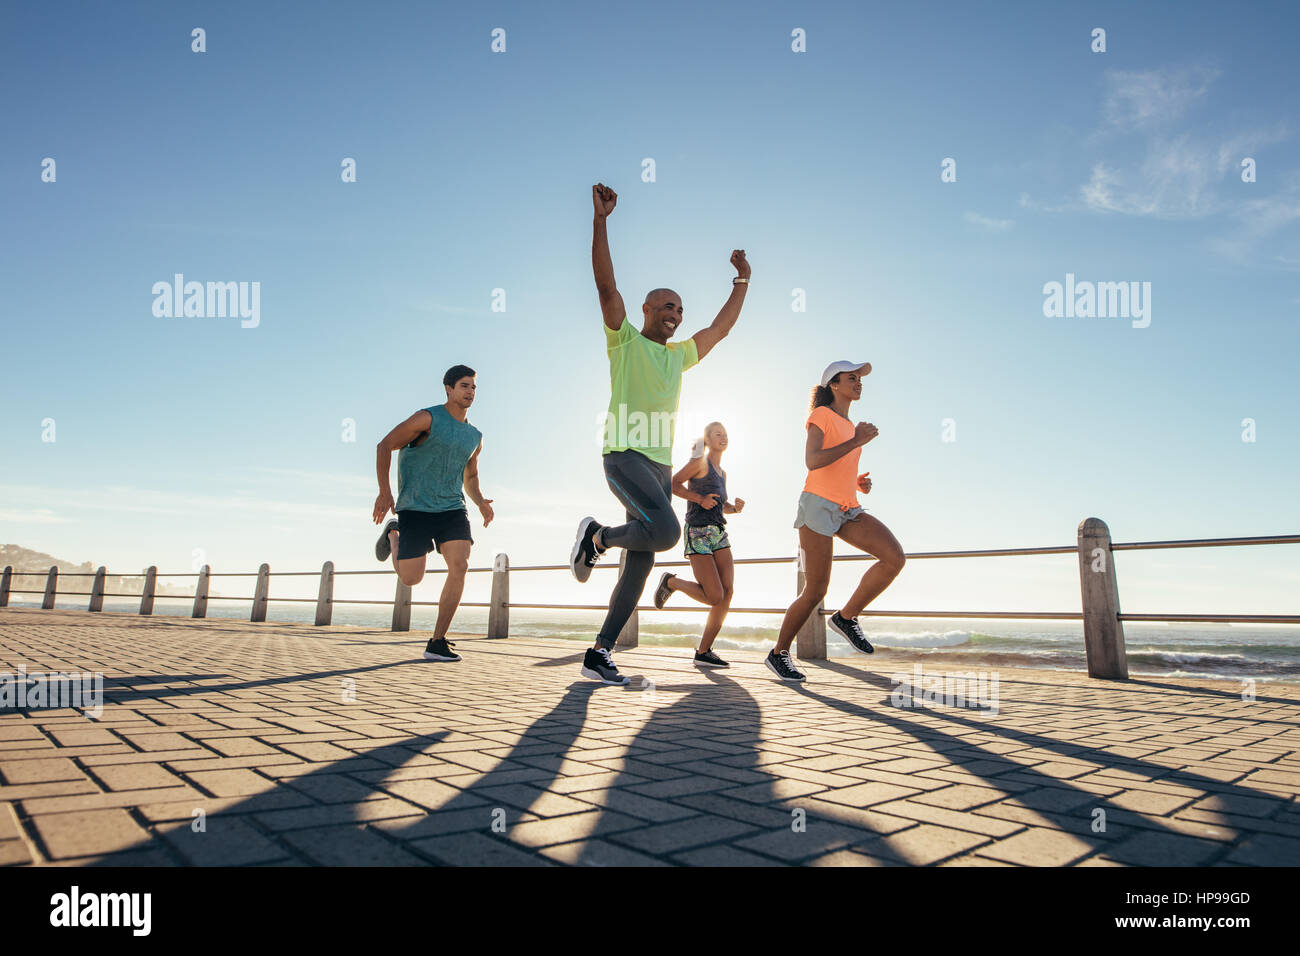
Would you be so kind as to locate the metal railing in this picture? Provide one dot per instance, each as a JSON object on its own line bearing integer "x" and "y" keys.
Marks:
{"x": 1103, "y": 622}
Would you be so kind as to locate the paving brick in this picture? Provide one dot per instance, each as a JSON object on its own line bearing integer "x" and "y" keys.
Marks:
{"x": 1260, "y": 850}
{"x": 1038, "y": 846}
{"x": 349, "y": 846}
{"x": 225, "y": 841}
{"x": 682, "y": 834}
{"x": 137, "y": 776}
{"x": 922, "y": 844}
{"x": 88, "y": 832}
{"x": 569, "y": 828}
{"x": 723, "y": 855}
{"x": 230, "y": 783}
{"x": 1164, "y": 849}
{"x": 598, "y": 853}
{"x": 39, "y": 771}
{"x": 477, "y": 849}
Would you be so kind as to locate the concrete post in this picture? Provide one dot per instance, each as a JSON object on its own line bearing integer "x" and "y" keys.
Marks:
{"x": 810, "y": 639}
{"x": 630, "y": 635}
{"x": 1103, "y": 632}
{"x": 97, "y": 590}
{"x": 150, "y": 584}
{"x": 260, "y": 594}
{"x": 201, "y": 592}
{"x": 402, "y": 607}
{"x": 4, "y": 585}
{"x": 499, "y": 602}
{"x": 325, "y": 596}
{"x": 51, "y": 586}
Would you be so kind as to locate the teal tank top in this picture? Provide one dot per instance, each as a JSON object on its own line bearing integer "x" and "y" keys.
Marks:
{"x": 431, "y": 470}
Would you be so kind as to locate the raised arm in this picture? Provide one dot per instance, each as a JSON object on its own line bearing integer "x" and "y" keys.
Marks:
{"x": 611, "y": 303}
{"x": 705, "y": 339}
{"x": 399, "y": 437}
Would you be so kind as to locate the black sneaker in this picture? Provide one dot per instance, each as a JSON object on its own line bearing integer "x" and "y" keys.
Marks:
{"x": 585, "y": 550}
{"x": 709, "y": 659}
{"x": 662, "y": 592}
{"x": 599, "y": 665}
{"x": 848, "y": 627}
{"x": 440, "y": 650}
{"x": 780, "y": 665}
{"x": 383, "y": 548}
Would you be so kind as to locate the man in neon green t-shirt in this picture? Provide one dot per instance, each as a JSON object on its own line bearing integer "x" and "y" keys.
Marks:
{"x": 645, "y": 379}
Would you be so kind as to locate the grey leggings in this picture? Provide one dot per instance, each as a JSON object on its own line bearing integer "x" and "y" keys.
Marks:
{"x": 645, "y": 488}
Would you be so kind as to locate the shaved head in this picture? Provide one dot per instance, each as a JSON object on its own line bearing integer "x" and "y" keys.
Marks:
{"x": 656, "y": 292}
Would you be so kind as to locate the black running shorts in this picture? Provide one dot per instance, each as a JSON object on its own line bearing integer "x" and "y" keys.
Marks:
{"x": 419, "y": 532}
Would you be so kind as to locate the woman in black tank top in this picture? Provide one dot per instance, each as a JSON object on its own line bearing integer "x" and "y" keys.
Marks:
{"x": 703, "y": 484}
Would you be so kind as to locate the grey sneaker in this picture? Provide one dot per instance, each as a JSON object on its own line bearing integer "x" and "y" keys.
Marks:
{"x": 585, "y": 550}
{"x": 780, "y": 665}
{"x": 849, "y": 629}
{"x": 383, "y": 548}
{"x": 662, "y": 591}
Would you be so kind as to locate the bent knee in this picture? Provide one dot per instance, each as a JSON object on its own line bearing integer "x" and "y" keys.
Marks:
{"x": 716, "y": 596}
{"x": 665, "y": 534}
{"x": 411, "y": 579}
{"x": 816, "y": 590}
{"x": 895, "y": 562}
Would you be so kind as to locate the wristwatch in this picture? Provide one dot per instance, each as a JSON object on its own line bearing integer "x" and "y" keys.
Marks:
{"x": 740, "y": 280}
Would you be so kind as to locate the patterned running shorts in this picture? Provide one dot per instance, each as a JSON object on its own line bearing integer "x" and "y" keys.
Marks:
{"x": 706, "y": 539}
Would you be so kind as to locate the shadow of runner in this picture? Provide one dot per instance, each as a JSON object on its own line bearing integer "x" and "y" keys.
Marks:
{"x": 228, "y": 839}
{"x": 1071, "y": 808}
{"x": 714, "y": 803}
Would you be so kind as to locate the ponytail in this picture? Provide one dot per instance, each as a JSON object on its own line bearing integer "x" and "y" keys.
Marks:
{"x": 821, "y": 395}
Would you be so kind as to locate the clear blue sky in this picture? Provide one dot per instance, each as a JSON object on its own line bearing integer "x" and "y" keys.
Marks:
{"x": 474, "y": 173}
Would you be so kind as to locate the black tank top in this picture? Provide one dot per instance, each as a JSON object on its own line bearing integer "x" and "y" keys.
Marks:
{"x": 711, "y": 484}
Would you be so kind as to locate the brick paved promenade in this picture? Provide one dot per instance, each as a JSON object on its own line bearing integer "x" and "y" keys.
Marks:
{"x": 247, "y": 722}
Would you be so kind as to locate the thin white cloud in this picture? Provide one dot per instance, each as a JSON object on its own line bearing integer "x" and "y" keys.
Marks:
{"x": 1154, "y": 98}
{"x": 992, "y": 225}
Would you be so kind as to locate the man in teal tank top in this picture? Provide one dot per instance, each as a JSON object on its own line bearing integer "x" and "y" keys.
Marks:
{"x": 437, "y": 456}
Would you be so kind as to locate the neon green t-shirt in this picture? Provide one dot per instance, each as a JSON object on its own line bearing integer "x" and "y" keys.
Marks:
{"x": 645, "y": 380}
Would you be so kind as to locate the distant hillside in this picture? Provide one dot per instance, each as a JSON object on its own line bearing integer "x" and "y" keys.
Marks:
{"x": 23, "y": 559}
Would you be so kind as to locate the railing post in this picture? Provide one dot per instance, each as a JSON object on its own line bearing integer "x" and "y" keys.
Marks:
{"x": 97, "y": 590}
{"x": 150, "y": 583}
{"x": 630, "y": 635}
{"x": 201, "y": 593}
{"x": 325, "y": 596}
{"x": 1103, "y": 632}
{"x": 51, "y": 586}
{"x": 810, "y": 639}
{"x": 499, "y": 602}
{"x": 4, "y": 585}
{"x": 402, "y": 607}
{"x": 260, "y": 594}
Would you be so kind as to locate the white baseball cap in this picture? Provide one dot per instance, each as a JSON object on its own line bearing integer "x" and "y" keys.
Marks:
{"x": 836, "y": 367}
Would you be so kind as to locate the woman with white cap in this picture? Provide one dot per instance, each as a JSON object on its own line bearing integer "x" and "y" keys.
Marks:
{"x": 828, "y": 508}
